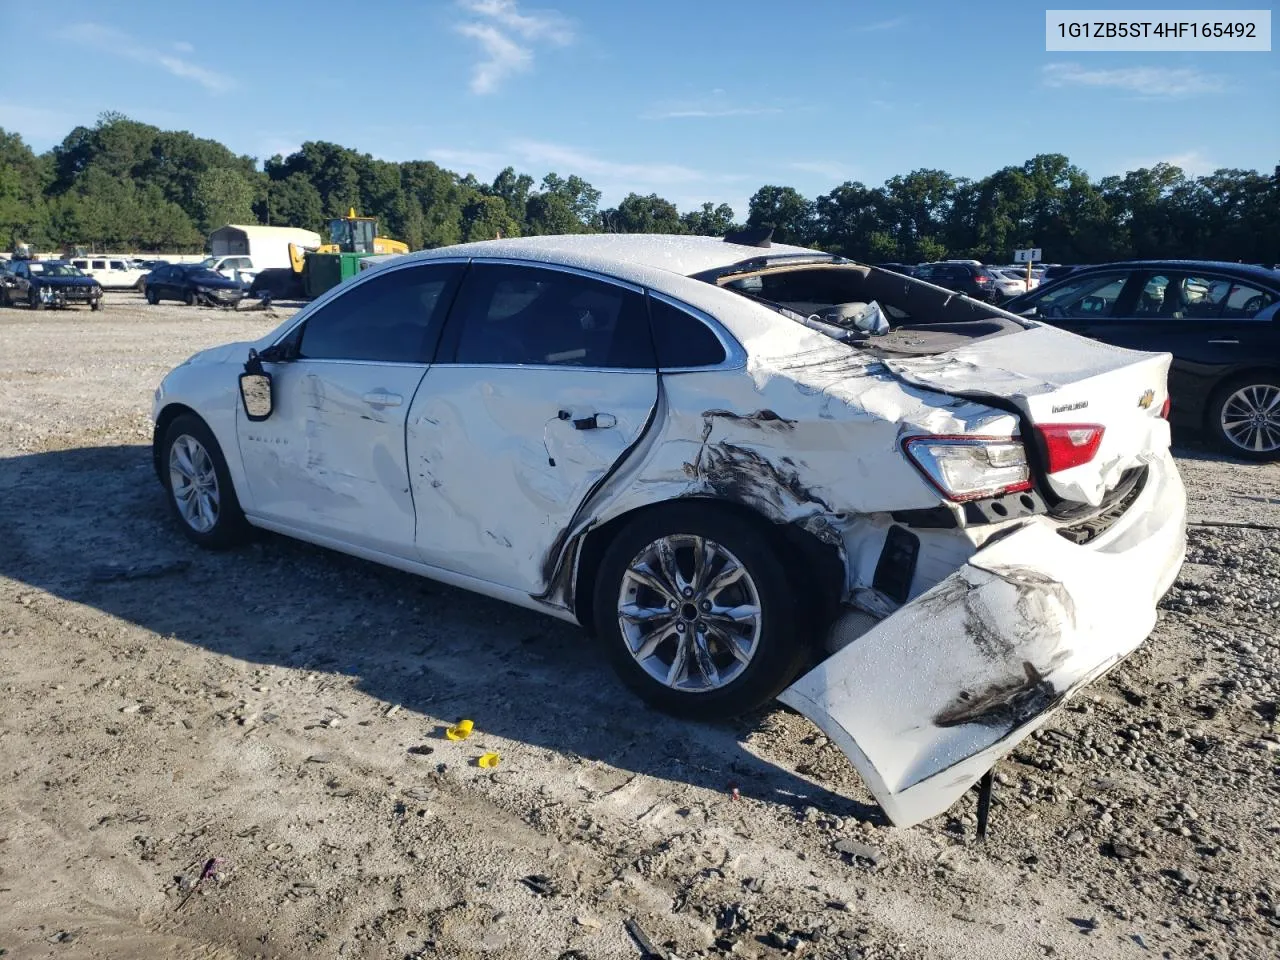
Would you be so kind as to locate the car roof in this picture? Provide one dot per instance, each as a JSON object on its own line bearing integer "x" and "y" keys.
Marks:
{"x": 628, "y": 256}
{"x": 1225, "y": 266}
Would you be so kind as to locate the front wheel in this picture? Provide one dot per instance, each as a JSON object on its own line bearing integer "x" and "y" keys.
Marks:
{"x": 95, "y": 304}
{"x": 189, "y": 298}
{"x": 152, "y": 297}
{"x": 697, "y": 613}
{"x": 201, "y": 496}
{"x": 1244, "y": 417}
{"x": 34, "y": 301}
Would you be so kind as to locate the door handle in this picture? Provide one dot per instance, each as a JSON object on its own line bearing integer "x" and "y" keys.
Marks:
{"x": 380, "y": 398}
{"x": 1229, "y": 342}
{"x": 597, "y": 421}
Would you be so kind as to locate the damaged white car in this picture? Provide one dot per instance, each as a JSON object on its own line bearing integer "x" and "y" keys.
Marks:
{"x": 751, "y": 470}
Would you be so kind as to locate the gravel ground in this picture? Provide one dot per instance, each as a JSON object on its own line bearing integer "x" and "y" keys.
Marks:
{"x": 282, "y": 708}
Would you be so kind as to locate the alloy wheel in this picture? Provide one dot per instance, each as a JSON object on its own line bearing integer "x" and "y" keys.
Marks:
{"x": 194, "y": 483}
{"x": 1250, "y": 418}
{"x": 690, "y": 613}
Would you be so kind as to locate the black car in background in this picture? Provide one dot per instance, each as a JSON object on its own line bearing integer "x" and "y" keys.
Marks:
{"x": 191, "y": 283}
{"x": 963, "y": 276}
{"x": 1056, "y": 271}
{"x": 47, "y": 283}
{"x": 905, "y": 269}
{"x": 1219, "y": 320}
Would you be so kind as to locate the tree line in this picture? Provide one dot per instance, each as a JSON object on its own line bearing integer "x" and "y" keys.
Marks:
{"x": 124, "y": 185}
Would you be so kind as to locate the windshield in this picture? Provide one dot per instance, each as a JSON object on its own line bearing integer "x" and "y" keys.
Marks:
{"x": 204, "y": 275}
{"x": 208, "y": 263}
{"x": 55, "y": 270}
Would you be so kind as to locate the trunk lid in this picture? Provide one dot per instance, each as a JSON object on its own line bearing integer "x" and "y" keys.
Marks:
{"x": 1055, "y": 377}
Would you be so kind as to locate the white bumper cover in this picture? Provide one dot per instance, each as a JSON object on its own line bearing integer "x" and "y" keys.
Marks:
{"x": 930, "y": 698}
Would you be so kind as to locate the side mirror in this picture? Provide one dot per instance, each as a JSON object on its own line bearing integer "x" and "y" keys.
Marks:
{"x": 255, "y": 389}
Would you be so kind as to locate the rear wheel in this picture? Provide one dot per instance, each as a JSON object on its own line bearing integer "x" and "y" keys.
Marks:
{"x": 696, "y": 612}
{"x": 152, "y": 298}
{"x": 1244, "y": 417}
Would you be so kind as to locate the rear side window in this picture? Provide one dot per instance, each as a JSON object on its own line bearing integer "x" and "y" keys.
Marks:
{"x": 681, "y": 339}
{"x": 392, "y": 318}
{"x": 99, "y": 264}
{"x": 538, "y": 317}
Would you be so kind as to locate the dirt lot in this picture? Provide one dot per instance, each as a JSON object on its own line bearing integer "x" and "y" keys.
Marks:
{"x": 281, "y": 708}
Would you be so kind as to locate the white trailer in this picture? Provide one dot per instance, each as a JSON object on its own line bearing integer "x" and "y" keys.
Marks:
{"x": 266, "y": 247}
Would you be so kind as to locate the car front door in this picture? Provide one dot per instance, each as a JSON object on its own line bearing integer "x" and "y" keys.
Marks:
{"x": 544, "y": 379}
{"x": 330, "y": 460}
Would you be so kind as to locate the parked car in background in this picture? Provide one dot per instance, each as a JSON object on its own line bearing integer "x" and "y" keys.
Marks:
{"x": 192, "y": 283}
{"x": 111, "y": 272}
{"x": 1219, "y": 320}
{"x": 905, "y": 269}
{"x": 237, "y": 268}
{"x": 47, "y": 283}
{"x": 963, "y": 276}
{"x": 1056, "y": 271}
{"x": 1007, "y": 284}
{"x": 691, "y": 445}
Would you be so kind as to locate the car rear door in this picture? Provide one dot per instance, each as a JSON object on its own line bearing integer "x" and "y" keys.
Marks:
{"x": 330, "y": 460}
{"x": 544, "y": 380}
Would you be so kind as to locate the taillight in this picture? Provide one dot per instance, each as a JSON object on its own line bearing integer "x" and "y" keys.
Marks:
{"x": 1069, "y": 445}
{"x": 1164, "y": 408}
{"x": 979, "y": 278}
{"x": 968, "y": 468}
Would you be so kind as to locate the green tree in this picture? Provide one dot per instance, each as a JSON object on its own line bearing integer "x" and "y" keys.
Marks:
{"x": 711, "y": 220}
{"x": 784, "y": 209}
{"x": 637, "y": 214}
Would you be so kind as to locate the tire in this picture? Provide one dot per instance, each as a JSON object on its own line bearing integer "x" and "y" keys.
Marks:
{"x": 4, "y": 297}
{"x": 152, "y": 298}
{"x": 95, "y": 304}
{"x": 210, "y": 515}
{"x": 1243, "y": 417}
{"x": 770, "y": 653}
{"x": 189, "y": 298}
{"x": 33, "y": 300}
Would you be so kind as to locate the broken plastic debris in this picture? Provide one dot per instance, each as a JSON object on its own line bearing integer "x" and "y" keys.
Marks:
{"x": 489, "y": 760}
{"x": 460, "y": 730}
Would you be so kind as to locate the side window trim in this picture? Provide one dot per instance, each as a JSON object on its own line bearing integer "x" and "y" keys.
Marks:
{"x": 735, "y": 356}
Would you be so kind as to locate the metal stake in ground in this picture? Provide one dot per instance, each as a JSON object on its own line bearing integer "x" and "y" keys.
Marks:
{"x": 984, "y": 801}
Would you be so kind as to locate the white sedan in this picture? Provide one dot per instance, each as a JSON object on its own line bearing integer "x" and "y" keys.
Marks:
{"x": 750, "y": 470}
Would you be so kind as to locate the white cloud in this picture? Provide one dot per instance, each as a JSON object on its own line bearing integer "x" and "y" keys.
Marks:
{"x": 183, "y": 47}
{"x": 502, "y": 55}
{"x": 1143, "y": 81}
{"x": 37, "y": 125}
{"x": 691, "y": 111}
{"x": 110, "y": 40}
{"x": 571, "y": 160}
{"x": 880, "y": 25}
{"x": 1194, "y": 163}
{"x": 830, "y": 169}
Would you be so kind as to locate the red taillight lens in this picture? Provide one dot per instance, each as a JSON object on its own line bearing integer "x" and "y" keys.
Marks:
{"x": 1069, "y": 445}
{"x": 981, "y": 279}
{"x": 1164, "y": 409}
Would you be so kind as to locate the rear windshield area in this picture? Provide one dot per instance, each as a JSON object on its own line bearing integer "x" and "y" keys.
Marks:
{"x": 917, "y": 318}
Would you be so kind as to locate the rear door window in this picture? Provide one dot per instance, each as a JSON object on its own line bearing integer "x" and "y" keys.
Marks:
{"x": 681, "y": 339}
{"x": 99, "y": 264}
{"x": 534, "y": 316}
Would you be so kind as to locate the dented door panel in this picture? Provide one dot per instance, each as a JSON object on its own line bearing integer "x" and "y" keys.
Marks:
{"x": 498, "y": 472}
{"x": 331, "y": 458}
{"x": 931, "y": 697}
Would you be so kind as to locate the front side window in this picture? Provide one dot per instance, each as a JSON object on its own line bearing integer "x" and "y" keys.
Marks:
{"x": 99, "y": 264}
{"x": 392, "y": 318}
{"x": 1084, "y": 298}
{"x": 535, "y": 316}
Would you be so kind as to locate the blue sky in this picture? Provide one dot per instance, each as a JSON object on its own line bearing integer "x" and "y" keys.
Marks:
{"x": 696, "y": 100}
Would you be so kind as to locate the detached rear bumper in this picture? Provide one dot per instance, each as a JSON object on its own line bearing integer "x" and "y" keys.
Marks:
{"x": 931, "y": 697}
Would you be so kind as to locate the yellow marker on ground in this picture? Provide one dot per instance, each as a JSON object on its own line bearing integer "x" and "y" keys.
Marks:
{"x": 460, "y": 730}
{"x": 489, "y": 760}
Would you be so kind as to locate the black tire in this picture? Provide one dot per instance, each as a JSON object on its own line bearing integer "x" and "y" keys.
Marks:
{"x": 4, "y": 297}
{"x": 189, "y": 298}
{"x": 95, "y": 304}
{"x": 1262, "y": 385}
{"x": 33, "y": 300}
{"x": 152, "y": 297}
{"x": 230, "y": 527}
{"x": 779, "y": 652}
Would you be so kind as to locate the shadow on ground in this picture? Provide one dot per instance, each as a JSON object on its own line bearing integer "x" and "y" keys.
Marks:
{"x": 406, "y": 640}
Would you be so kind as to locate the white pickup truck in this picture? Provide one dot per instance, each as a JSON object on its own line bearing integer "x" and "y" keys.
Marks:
{"x": 112, "y": 272}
